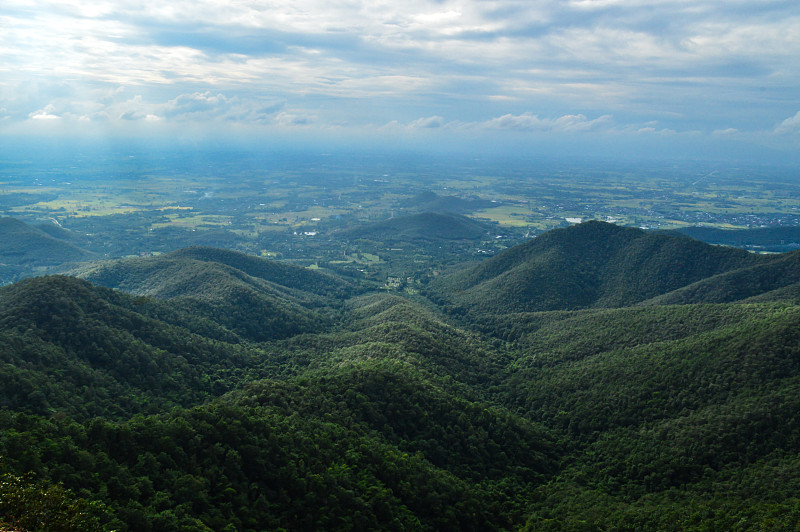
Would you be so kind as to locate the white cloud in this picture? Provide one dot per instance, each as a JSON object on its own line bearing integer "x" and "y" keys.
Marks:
{"x": 531, "y": 122}
{"x": 48, "y": 113}
{"x": 133, "y": 115}
{"x": 294, "y": 119}
{"x": 790, "y": 125}
{"x": 361, "y": 62}
{"x": 726, "y": 132}
{"x": 649, "y": 130}
{"x": 206, "y": 103}
{"x": 431, "y": 122}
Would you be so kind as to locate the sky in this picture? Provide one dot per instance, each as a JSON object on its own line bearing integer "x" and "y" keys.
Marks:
{"x": 616, "y": 77}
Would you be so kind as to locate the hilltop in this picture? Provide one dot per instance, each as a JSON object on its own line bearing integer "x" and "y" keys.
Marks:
{"x": 431, "y": 202}
{"x": 593, "y": 264}
{"x": 426, "y": 226}
{"x": 256, "y": 298}
{"x": 72, "y": 347}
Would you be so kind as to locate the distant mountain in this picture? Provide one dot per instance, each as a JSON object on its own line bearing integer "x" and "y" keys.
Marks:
{"x": 778, "y": 239}
{"x": 427, "y": 226}
{"x": 432, "y": 202}
{"x": 25, "y": 247}
{"x": 593, "y": 264}
{"x": 256, "y": 298}
{"x": 766, "y": 281}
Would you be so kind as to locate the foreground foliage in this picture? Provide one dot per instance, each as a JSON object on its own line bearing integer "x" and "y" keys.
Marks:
{"x": 136, "y": 413}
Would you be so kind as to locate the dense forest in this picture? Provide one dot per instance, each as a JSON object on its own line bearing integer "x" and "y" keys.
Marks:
{"x": 593, "y": 378}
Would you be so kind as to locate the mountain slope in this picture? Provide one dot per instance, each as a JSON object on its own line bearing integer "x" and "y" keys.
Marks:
{"x": 25, "y": 247}
{"x": 676, "y": 414}
{"x": 784, "y": 238}
{"x": 593, "y": 264}
{"x": 390, "y": 327}
{"x": 758, "y": 281}
{"x": 402, "y": 416}
{"x": 256, "y": 298}
{"x": 427, "y": 226}
{"x": 431, "y": 202}
{"x": 309, "y": 462}
{"x": 71, "y": 347}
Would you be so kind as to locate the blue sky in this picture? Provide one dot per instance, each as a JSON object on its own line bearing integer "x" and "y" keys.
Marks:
{"x": 603, "y": 76}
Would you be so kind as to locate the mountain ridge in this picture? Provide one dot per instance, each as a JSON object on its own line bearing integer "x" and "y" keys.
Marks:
{"x": 169, "y": 411}
{"x": 427, "y": 226}
{"x": 593, "y": 264}
{"x": 256, "y": 298}
{"x": 26, "y": 247}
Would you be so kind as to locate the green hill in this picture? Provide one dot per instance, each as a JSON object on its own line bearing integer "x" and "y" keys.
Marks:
{"x": 431, "y": 202}
{"x": 290, "y": 279}
{"x": 593, "y": 264}
{"x": 778, "y": 239}
{"x": 661, "y": 394}
{"x": 409, "y": 410}
{"x": 67, "y": 346}
{"x": 427, "y": 226}
{"x": 310, "y": 454}
{"x": 25, "y": 248}
{"x": 765, "y": 281}
{"x": 256, "y": 298}
{"x": 677, "y": 415}
{"x": 389, "y": 327}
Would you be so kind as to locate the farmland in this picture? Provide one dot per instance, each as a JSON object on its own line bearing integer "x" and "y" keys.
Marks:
{"x": 300, "y": 207}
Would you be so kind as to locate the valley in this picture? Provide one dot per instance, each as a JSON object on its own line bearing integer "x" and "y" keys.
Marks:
{"x": 206, "y": 389}
{"x": 372, "y": 350}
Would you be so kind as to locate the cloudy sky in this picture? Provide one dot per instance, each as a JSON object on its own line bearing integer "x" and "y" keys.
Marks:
{"x": 616, "y": 74}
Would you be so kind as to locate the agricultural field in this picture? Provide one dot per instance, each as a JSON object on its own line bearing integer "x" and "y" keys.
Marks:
{"x": 303, "y": 208}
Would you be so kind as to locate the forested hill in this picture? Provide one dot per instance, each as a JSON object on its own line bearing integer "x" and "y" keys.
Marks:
{"x": 25, "y": 247}
{"x": 183, "y": 273}
{"x": 431, "y": 202}
{"x": 236, "y": 394}
{"x": 256, "y": 298}
{"x": 429, "y": 226}
{"x": 782, "y": 238}
{"x": 67, "y": 346}
{"x": 593, "y": 264}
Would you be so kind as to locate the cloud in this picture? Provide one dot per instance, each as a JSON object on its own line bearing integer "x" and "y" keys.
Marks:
{"x": 206, "y": 104}
{"x": 364, "y": 62}
{"x": 531, "y": 122}
{"x": 650, "y": 130}
{"x": 140, "y": 116}
{"x": 136, "y": 109}
{"x": 431, "y": 122}
{"x": 132, "y": 115}
{"x": 788, "y": 126}
{"x": 48, "y": 113}
{"x": 293, "y": 119}
{"x": 725, "y": 132}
